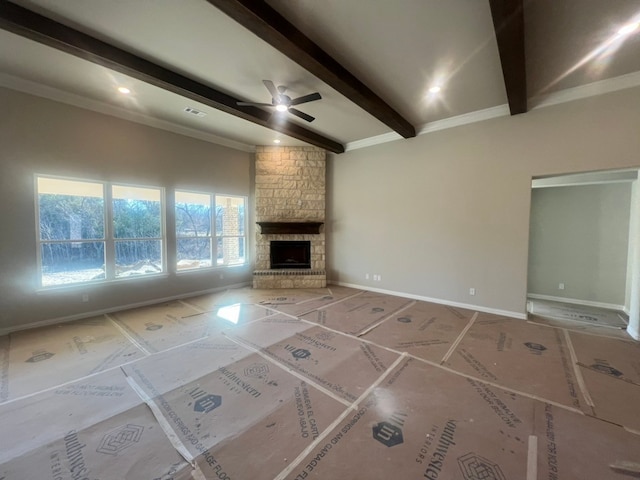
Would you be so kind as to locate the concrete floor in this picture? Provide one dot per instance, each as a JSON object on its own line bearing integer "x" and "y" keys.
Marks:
{"x": 319, "y": 383}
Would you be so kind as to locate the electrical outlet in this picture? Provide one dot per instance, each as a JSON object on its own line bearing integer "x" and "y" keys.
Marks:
{"x": 85, "y": 297}
{"x": 472, "y": 291}
{"x": 366, "y": 276}
{"x": 379, "y": 278}
{"x": 561, "y": 286}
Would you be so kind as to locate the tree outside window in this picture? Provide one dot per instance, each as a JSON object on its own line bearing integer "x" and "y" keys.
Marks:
{"x": 137, "y": 230}
{"x": 71, "y": 231}
{"x": 74, "y": 244}
{"x": 193, "y": 230}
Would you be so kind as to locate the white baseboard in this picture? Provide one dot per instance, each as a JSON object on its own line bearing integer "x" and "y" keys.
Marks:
{"x": 119, "y": 308}
{"x": 634, "y": 332}
{"x": 576, "y": 301}
{"x": 468, "y": 306}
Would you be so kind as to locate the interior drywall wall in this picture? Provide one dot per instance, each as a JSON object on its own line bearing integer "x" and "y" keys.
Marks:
{"x": 39, "y": 136}
{"x": 447, "y": 211}
{"x": 632, "y": 298}
{"x": 579, "y": 236}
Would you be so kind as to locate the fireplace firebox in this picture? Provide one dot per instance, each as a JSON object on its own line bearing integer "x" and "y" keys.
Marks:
{"x": 290, "y": 254}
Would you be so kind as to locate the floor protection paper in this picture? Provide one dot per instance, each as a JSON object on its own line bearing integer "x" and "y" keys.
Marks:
{"x": 518, "y": 355}
{"x": 335, "y": 295}
{"x": 470, "y": 431}
{"x": 616, "y": 358}
{"x": 96, "y": 428}
{"x": 601, "y": 330}
{"x": 614, "y": 400}
{"x": 227, "y": 309}
{"x": 356, "y": 314}
{"x": 289, "y": 296}
{"x": 160, "y": 327}
{"x": 577, "y": 313}
{"x": 169, "y": 370}
{"x": 34, "y": 360}
{"x": 242, "y": 420}
{"x": 242, "y": 389}
{"x": 128, "y": 445}
{"x": 267, "y": 331}
{"x": 611, "y": 372}
{"x": 224, "y": 317}
{"x": 272, "y": 296}
{"x": 571, "y": 446}
{"x": 344, "y": 366}
{"x": 426, "y": 330}
{"x": 208, "y": 301}
{"x": 42, "y": 418}
{"x": 424, "y": 422}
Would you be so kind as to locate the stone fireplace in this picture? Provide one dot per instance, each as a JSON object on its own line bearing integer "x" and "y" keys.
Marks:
{"x": 290, "y": 207}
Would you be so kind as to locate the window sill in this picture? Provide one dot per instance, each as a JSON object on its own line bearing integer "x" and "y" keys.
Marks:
{"x": 97, "y": 284}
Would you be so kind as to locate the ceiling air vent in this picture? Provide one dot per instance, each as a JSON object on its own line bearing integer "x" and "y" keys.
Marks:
{"x": 195, "y": 112}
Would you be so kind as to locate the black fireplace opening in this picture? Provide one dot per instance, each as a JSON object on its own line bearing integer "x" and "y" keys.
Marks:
{"x": 290, "y": 254}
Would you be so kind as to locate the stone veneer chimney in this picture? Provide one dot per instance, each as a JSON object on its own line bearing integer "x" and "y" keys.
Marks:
{"x": 290, "y": 188}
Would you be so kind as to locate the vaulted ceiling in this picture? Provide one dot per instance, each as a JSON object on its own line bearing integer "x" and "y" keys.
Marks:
{"x": 372, "y": 61}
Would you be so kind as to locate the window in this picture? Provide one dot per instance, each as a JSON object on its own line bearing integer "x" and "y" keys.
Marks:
{"x": 193, "y": 230}
{"x": 230, "y": 230}
{"x": 195, "y": 219}
{"x": 137, "y": 230}
{"x": 71, "y": 231}
{"x": 90, "y": 231}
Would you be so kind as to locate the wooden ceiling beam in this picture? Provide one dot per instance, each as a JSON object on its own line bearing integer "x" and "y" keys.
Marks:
{"x": 508, "y": 22}
{"x": 265, "y": 22}
{"x": 26, "y": 23}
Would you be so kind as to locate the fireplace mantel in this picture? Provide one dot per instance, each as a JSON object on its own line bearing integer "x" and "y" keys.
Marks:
{"x": 289, "y": 228}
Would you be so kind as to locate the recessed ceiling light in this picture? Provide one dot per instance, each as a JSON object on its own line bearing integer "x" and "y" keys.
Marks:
{"x": 628, "y": 29}
{"x": 281, "y": 108}
{"x": 435, "y": 89}
{"x": 277, "y": 140}
{"x": 124, "y": 90}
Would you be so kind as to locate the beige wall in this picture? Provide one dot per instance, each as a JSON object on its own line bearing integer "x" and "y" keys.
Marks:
{"x": 41, "y": 136}
{"x": 443, "y": 212}
{"x": 632, "y": 298}
{"x": 579, "y": 236}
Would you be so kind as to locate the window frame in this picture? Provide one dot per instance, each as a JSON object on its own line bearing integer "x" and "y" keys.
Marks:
{"x": 212, "y": 232}
{"x": 222, "y": 236}
{"x": 108, "y": 239}
{"x": 112, "y": 240}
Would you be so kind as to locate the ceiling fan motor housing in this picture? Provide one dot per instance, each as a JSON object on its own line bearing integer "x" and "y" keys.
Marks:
{"x": 282, "y": 100}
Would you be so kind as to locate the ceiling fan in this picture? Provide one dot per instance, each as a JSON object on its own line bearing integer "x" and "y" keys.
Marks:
{"x": 284, "y": 103}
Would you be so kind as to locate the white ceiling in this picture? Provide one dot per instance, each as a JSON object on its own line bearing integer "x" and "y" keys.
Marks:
{"x": 397, "y": 48}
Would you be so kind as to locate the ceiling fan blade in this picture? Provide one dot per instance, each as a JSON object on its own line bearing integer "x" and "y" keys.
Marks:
{"x": 272, "y": 88}
{"x": 306, "y": 98}
{"x": 302, "y": 115}
{"x": 253, "y": 104}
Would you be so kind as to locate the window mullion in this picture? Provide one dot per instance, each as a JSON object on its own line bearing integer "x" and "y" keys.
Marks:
{"x": 213, "y": 243}
{"x": 109, "y": 247}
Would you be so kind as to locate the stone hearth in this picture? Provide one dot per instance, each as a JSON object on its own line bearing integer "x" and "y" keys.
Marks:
{"x": 290, "y": 189}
